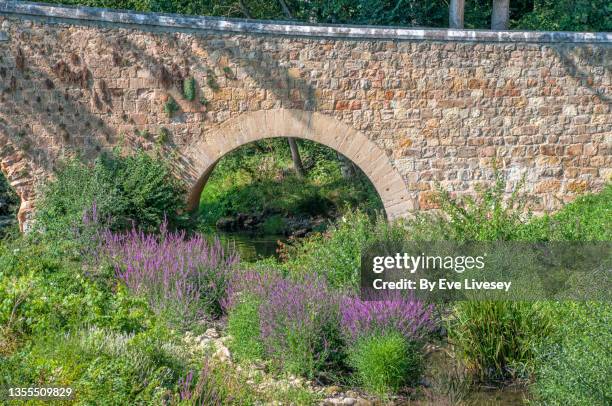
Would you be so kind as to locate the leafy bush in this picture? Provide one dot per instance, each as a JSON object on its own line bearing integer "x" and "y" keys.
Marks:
{"x": 385, "y": 340}
{"x": 189, "y": 89}
{"x": 386, "y": 362}
{"x": 43, "y": 289}
{"x": 573, "y": 366}
{"x": 129, "y": 190}
{"x": 243, "y": 325}
{"x": 488, "y": 216}
{"x": 9, "y": 201}
{"x": 496, "y": 340}
{"x": 585, "y": 219}
{"x": 182, "y": 278}
{"x": 567, "y": 15}
{"x": 101, "y": 365}
{"x": 171, "y": 107}
{"x": 336, "y": 254}
{"x": 298, "y": 320}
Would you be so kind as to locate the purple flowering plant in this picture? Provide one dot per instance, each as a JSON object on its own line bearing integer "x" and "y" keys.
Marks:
{"x": 403, "y": 314}
{"x": 298, "y": 318}
{"x": 181, "y": 277}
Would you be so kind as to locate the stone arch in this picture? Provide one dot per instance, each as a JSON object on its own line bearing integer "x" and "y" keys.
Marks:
{"x": 318, "y": 127}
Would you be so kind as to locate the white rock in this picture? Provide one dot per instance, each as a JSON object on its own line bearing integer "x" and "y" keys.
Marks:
{"x": 212, "y": 333}
{"x": 223, "y": 353}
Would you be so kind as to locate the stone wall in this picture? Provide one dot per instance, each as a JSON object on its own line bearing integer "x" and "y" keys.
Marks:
{"x": 411, "y": 107}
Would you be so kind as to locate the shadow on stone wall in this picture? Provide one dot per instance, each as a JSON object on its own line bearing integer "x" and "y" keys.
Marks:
{"x": 599, "y": 57}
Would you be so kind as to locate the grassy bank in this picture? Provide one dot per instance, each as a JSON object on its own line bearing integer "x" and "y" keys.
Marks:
{"x": 158, "y": 315}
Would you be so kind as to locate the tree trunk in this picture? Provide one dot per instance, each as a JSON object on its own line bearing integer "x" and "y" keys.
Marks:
{"x": 501, "y": 15}
{"x": 285, "y": 9}
{"x": 455, "y": 13}
{"x": 295, "y": 156}
{"x": 244, "y": 9}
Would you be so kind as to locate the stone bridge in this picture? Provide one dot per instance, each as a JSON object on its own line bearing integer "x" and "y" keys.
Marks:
{"x": 411, "y": 107}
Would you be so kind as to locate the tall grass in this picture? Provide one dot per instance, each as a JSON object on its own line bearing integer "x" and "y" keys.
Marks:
{"x": 496, "y": 340}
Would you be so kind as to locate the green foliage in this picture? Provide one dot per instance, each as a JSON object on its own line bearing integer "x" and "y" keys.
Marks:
{"x": 189, "y": 89}
{"x": 581, "y": 15}
{"x": 274, "y": 225}
{"x": 163, "y": 137}
{"x": 42, "y": 289}
{"x": 486, "y": 217}
{"x": 588, "y": 218}
{"x": 171, "y": 107}
{"x": 9, "y": 205}
{"x": 258, "y": 178}
{"x": 228, "y": 72}
{"x": 243, "y": 327}
{"x": 574, "y": 366}
{"x": 101, "y": 365}
{"x": 336, "y": 254}
{"x": 496, "y": 340}
{"x": 129, "y": 190}
{"x": 211, "y": 81}
{"x": 9, "y": 201}
{"x": 566, "y": 15}
{"x": 386, "y": 363}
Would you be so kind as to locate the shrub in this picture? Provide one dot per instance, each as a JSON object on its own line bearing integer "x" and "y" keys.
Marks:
{"x": 182, "y": 278}
{"x": 298, "y": 320}
{"x": 585, "y": 219}
{"x": 211, "y": 81}
{"x": 385, "y": 340}
{"x": 9, "y": 201}
{"x": 386, "y": 362}
{"x": 125, "y": 191}
{"x": 243, "y": 325}
{"x": 495, "y": 340}
{"x": 163, "y": 137}
{"x": 171, "y": 107}
{"x": 573, "y": 366}
{"x": 101, "y": 366}
{"x": 189, "y": 89}
{"x": 336, "y": 255}
{"x": 43, "y": 289}
{"x": 489, "y": 216}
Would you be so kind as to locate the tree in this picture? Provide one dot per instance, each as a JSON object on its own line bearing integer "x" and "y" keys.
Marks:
{"x": 500, "y": 15}
{"x": 455, "y": 13}
{"x": 295, "y": 156}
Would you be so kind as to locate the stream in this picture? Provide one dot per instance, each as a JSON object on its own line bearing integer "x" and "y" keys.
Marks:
{"x": 251, "y": 247}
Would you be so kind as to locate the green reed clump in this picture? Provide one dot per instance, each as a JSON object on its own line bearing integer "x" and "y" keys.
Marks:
{"x": 386, "y": 362}
{"x": 496, "y": 339}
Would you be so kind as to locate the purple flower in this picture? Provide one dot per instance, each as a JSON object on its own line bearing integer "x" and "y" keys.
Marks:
{"x": 410, "y": 317}
{"x": 180, "y": 276}
{"x": 296, "y": 317}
